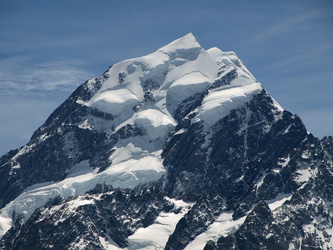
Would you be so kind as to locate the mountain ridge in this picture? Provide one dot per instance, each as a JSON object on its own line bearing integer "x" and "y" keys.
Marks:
{"x": 183, "y": 133}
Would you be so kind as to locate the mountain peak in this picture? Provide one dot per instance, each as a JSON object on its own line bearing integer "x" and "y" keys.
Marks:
{"x": 136, "y": 106}
{"x": 180, "y": 142}
{"x": 186, "y": 42}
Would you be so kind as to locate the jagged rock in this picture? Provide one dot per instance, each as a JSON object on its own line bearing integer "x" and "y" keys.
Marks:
{"x": 179, "y": 149}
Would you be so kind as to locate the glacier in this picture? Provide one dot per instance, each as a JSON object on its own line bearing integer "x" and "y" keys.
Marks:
{"x": 179, "y": 149}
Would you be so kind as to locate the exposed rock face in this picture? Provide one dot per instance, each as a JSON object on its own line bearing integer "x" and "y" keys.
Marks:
{"x": 55, "y": 147}
{"x": 182, "y": 148}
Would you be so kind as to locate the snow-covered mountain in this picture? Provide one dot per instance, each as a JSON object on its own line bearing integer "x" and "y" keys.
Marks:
{"x": 179, "y": 149}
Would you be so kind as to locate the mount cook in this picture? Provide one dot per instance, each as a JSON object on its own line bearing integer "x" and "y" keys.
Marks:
{"x": 179, "y": 149}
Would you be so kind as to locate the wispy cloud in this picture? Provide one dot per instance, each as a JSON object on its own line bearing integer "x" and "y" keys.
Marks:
{"x": 285, "y": 26}
{"x": 21, "y": 74}
{"x": 30, "y": 91}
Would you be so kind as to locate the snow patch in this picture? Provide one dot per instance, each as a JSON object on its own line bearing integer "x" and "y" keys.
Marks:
{"x": 261, "y": 181}
{"x": 284, "y": 161}
{"x": 156, "y": 235}
{"x": 223, "y": 226}
{"x": 306, "y": 155}
{"x": 181, "y": 131}
{"x": 220, "y": 102}
{"x": 116, "y": 102}
{"x": 73, "y": 204}
{"x": 303, "y": 175}
{"x": 126, "y": 174}
{"x": 86, "y": 125}
{"x": 108, "y": 243}
{"x": 5, "y": 224}
{"x": 277, "y": 105}
{"x": 24, "y": 150}
{"x": 278, "y": 201}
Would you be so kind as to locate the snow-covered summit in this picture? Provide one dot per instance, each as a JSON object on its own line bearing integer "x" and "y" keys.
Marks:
{"x": 145, "y": 97}
{"x": 182, "y": 144}
{"x": 168, "y": 77}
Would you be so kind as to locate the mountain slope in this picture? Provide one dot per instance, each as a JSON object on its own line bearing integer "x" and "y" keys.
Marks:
{"x": 183, "y": 143}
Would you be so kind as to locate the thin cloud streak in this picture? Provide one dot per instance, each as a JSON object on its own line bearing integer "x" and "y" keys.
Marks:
{"x": 289, "y": 25}
{"x": 16, "y": 77}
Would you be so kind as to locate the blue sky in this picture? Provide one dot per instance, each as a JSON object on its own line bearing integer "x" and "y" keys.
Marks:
{"x": 48, "y": 48}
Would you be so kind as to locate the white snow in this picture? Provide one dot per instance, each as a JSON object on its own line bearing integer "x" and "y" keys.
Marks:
{"x": 126, "y": 174}
{"x": 186, "y": 86}
{"x": 303, "y": 175}
{"x": 277, "y": 105}
{"x": 115, "y": 101}
{"x": 220, "y": 102}
{"x": 182, "y": 68}
{"x": 109, "y": 243}
{"x": 261, "y": 181}
{"x": 322, "y": 232}
{"x": 231, "y": 60}
{"x": 86, "y": 125}
{"x": 25, "y": 149}
{"x": 155, "y": 122}
{"x": 179, "y": 132}
{"x": 132, "y": 172}
{"x": 329, "y": 243}
{"x": 223, "y": 226}
{"x": 5, "y": 224}
{"x": 284, "y": 161}
{"x": 156, "y": 235}
{"x": 78, "y": 202}
{"x": 278, "y": 201}
{"x": 187, "y": 41}
{"x": 306, "y": 155}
